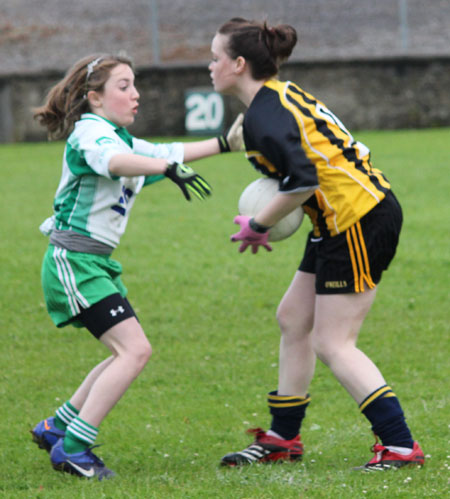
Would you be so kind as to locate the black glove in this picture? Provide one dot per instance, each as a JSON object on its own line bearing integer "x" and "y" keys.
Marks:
{"x": 188, "y": 181}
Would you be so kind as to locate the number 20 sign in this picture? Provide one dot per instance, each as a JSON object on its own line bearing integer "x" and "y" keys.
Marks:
{"x": 204, "y": 111}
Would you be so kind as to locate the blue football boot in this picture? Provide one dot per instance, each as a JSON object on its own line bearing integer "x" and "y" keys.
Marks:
{"x": 46, "y": 434}
{"x": 85, "y": 464}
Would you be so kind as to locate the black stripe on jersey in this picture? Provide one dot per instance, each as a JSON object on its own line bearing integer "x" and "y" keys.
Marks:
{"x": 322, "y": 127}
{"x": 348, "y": 152}
{"x": 350, "y": 155}
{"x": 274, "y": 145}
{"x": 296, "y": 90}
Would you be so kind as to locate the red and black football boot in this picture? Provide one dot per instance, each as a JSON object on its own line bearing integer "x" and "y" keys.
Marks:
{"x": 386, "y": 458}
{"x": 265, "y": 449}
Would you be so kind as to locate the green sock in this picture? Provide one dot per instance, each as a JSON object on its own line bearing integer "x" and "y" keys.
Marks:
{"x": 73, "y": 445}
{"x": 79, "y": 436}
{"x": 64, "y": 415}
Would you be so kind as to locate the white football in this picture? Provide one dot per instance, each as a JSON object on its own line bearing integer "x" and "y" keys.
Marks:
{"x": 257, "y": 195}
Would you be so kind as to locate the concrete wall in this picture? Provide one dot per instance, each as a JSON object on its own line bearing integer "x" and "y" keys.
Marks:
{"x": 375, "y": 94}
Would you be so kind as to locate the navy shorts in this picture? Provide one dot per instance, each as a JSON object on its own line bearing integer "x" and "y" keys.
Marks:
{"x": 353, "y": 261}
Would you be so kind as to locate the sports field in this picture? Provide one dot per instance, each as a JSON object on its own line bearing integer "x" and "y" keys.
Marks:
{"x": 209, "y": 314}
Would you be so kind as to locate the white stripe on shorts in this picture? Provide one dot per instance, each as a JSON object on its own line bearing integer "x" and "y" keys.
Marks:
{"x": 67, "y": 279}
{"x": 72, "y": 302}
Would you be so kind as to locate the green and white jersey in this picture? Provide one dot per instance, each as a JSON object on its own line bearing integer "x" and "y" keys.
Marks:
{"x": 91, "y": 201}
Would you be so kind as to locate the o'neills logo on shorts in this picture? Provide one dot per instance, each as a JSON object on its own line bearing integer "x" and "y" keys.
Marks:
{"x": 335, "y": 284}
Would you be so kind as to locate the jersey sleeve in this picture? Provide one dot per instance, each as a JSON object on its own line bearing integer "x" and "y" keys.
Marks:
{"x": 279, "y": 141}
{"x": 92, "y": 147}
{"x": 173, "y": 152}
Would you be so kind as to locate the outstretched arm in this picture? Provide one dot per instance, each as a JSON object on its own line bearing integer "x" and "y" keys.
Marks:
{"x": 200, "y": 149}
{"x": 232, "y": 140}
{"x": 133, "y": 165}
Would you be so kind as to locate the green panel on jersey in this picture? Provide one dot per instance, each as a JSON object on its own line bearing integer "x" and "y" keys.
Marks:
{"x": 87, "y": 190}
{"x": 76, "y": 163}
{"x": 125, "y": 135}
{"x": 72, "y": 212}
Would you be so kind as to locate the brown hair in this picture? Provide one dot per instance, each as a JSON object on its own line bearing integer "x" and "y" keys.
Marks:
{"x": 262, "y": 46}
{"x": 67, "y": 100}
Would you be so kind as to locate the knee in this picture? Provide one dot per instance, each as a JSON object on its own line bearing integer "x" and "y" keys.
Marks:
{"x": 144, "y": 353}
{"x": 329, "y": 351}
{"x": 283, "y": 319}
{"x": 139, "y": 354}
{"x": 292, "y": 322}
{"x": 324, "y": 350}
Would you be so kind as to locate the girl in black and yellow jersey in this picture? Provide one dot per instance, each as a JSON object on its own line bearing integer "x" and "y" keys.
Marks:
{"x": 293, "y": 137}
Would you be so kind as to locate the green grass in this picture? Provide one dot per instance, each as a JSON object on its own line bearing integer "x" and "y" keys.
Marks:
{"x": 209, "y": 314}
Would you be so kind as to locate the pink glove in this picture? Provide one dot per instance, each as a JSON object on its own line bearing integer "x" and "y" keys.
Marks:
{"x": 249, "y": 236}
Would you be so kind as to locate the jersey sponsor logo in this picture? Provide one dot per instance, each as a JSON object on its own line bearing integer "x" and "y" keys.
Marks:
{"x": 118, "y": 310}
{"x": 121, "y": 208}
{"x": 336, "y": 284}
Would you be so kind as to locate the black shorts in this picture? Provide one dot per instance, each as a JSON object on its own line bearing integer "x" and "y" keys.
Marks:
{"x": 105, "y": 314}
{"x": 353, "y": 261}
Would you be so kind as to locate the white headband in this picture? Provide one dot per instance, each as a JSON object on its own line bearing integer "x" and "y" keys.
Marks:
{"x": 91, "y": 66}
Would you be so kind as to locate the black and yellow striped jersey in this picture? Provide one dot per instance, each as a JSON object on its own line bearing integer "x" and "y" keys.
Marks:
{"x": 293, "y": 137}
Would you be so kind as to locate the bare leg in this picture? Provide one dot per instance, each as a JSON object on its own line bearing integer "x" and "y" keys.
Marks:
{"x": 131, "y": 351}
{"x": 295, "y": 316}
{"x": 338, "y": 319}
{"x": 79, "y": 397}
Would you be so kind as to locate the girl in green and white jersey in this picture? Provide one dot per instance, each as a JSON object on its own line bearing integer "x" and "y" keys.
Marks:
{"x": 104, "y": 168}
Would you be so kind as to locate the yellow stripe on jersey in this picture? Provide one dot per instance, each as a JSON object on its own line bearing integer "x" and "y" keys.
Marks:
{"x": 349, "y": 187}
{"x": 262, "y": 160}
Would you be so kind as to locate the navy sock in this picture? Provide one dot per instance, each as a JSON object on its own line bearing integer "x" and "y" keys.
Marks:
{"x": 384, "y": 412}
{"x": 287, "y": 413}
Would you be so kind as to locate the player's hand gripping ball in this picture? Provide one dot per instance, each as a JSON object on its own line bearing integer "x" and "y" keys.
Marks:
{"x": 249, "y": 236}
{"x": 257, "y": 195}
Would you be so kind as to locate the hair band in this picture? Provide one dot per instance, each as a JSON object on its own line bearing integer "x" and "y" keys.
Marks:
{"x": 90, "y": 70}
{"x": 91, "y": 66}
